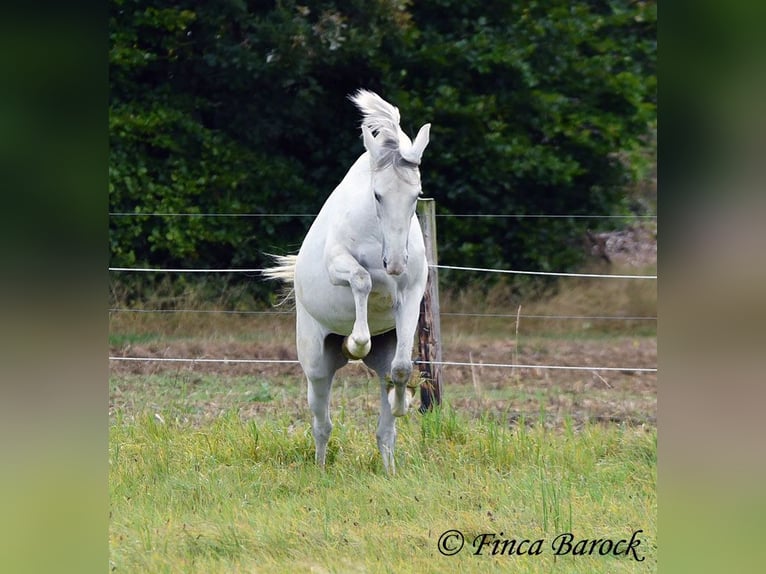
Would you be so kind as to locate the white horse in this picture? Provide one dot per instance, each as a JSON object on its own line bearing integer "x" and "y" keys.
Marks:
{"x": 361, "y": 273}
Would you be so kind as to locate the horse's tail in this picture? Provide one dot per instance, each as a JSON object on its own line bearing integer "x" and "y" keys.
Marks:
{"x": 283, "y": 271}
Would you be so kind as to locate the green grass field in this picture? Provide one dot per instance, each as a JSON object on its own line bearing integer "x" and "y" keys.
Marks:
{"x": 211, "y": 466}
{"x": 193, "y": 491}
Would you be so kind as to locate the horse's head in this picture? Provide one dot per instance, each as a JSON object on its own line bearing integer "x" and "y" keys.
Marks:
{"x": 395, "y": 185}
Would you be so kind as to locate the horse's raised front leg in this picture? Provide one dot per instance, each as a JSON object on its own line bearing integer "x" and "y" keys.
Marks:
{"x": 344, "y": 269}
{"x": 399, "y": 397}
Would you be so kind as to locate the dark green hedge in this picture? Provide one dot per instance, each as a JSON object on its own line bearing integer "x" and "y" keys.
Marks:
{"x": 240, "y": 107}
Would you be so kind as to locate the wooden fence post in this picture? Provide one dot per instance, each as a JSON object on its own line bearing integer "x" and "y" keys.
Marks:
{"x": 429, "y": 325}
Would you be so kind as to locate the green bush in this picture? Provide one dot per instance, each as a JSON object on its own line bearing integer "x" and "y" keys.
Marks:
{"x": 226, "y": 106}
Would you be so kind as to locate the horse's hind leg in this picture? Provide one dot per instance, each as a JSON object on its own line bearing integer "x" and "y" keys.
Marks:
{"x": 379, "y": 360}
{"x": 320, "y": 357}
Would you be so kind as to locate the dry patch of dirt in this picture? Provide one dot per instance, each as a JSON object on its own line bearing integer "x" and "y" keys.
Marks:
{"x": 624, "y": 396}
{"x": 556, "y": 394}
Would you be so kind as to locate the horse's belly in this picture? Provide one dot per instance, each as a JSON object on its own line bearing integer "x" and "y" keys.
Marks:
{"x": 380, "y": 312}
{"x": 333, "y": 306}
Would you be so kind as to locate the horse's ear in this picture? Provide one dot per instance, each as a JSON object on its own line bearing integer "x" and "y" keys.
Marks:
{"x": 369, "y": 142}
{"x": 421, "y": 141}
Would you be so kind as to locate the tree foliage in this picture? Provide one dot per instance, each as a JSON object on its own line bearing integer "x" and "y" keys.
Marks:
{"x": 229, "y": 106}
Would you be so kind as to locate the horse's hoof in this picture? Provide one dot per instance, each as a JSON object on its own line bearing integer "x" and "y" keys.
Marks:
{"x": 399, "y": 408}
{"x": 354, "y": 351}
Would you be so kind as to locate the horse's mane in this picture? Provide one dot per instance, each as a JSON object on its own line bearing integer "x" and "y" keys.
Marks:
{"x": 382, "y": 119}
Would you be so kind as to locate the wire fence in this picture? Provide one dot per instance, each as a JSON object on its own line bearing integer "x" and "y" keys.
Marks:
{"x": 460, "y": 215}
{"x": 258, "y": 271}
{"x": 226, "y": 361}
{"x": 443, "y": 314}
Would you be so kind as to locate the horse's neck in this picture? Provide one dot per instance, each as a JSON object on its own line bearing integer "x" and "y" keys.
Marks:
{"x": 354, "y": 196}
{"x": 348, "y": 216}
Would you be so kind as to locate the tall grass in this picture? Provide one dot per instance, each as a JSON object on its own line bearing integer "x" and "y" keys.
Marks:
{"x": 237, "y": 495}
{"x": 543, "y": 312}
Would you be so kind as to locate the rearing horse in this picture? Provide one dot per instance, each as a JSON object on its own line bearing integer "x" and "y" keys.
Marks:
{"x": 361, "y": 273}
